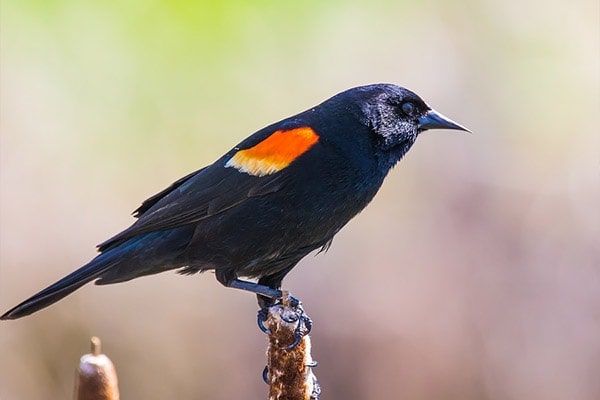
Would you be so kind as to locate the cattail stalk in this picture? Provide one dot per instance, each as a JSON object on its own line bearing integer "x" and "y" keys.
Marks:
{"x": 289, "y": 370}
{"x": 96, "y": 376}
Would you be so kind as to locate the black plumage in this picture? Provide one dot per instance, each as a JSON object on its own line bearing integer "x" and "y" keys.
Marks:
{"x": 257, "y": 214}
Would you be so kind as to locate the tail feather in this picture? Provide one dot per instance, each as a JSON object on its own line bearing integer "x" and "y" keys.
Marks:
{"x": 63, "y": 287}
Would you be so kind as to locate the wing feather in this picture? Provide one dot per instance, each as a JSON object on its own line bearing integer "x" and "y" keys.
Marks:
{"x": 208, "y": 191}
{"x": 202, "y": 194}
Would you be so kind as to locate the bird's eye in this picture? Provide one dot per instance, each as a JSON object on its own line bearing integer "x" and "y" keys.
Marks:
{"x": 408, "y": 108}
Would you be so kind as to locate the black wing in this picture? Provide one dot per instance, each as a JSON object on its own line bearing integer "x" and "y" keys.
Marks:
{"x": 148, "y": 203}
{"x": 204, "y": 193}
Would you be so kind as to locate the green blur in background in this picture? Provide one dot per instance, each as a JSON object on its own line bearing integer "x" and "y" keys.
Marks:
{"x": 474, "y": 274}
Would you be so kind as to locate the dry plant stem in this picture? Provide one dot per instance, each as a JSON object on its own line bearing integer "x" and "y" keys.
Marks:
{"x": 290, "y": 375}
{"x": 96, "y": 376}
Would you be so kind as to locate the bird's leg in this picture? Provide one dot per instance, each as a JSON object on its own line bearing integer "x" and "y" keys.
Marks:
{"x": 267, "y": 297}
{"x": 263, "y": 290}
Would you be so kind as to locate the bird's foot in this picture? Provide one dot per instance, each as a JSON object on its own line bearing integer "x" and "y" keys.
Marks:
{"x": 293, "y": 312}
{"x": 261, "y": 318}
{"x": 298, "y": 316}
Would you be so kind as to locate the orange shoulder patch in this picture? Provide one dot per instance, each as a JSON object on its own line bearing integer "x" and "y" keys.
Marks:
{"x": 275, "y": 152}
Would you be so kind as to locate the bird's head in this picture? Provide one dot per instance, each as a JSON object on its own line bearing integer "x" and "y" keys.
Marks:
{"x": 395, "y": 115}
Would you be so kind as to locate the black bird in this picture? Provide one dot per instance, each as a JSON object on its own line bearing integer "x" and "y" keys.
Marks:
{"x": 278, "y": 195}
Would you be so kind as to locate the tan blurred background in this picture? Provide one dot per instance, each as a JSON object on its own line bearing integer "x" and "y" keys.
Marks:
{"x": 475, "y": 273}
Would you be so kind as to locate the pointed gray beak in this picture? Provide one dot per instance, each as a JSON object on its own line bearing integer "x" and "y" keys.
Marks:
{"x": 434, "y": 120}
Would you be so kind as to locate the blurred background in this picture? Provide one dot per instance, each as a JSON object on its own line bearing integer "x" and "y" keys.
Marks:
{"x": 474, "y": 274}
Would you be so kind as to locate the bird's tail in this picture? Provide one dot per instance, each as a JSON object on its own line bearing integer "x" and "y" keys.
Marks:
{"x": 63, "y": 287}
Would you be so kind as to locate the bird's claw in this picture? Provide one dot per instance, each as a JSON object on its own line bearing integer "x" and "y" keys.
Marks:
{"x": 263, "y": 313}
{"x": 292, "y": 301}
{"x": 316, "y": 389}
{"x": 304, "y": 323}
{"x": 298, "y": 316}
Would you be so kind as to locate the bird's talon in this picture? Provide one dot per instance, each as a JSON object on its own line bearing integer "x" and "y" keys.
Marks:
{"x": 316, "y": 389}
{"x": 298, "y": 335}
{"x": 307, "y": 323}
{"x": 261, "y": 318}
{"x": 293, "y": 302}
{"x": 265, "y": 374}
{"x": 294, "y": 316}
{"x": 302, "y": 329}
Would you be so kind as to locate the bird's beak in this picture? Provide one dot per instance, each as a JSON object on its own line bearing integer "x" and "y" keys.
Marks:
{"x": 434, "y": 120}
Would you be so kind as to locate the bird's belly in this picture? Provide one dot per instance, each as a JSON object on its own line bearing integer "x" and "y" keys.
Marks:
{"x": 273, "y": 239}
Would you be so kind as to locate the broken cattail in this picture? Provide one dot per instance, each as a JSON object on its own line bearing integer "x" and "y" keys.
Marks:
{"x": 289, "y": 369}
{"x": 96, "y": 376}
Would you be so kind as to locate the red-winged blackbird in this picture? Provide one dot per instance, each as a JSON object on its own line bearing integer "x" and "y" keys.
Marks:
{"x": 272, "y": 199}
